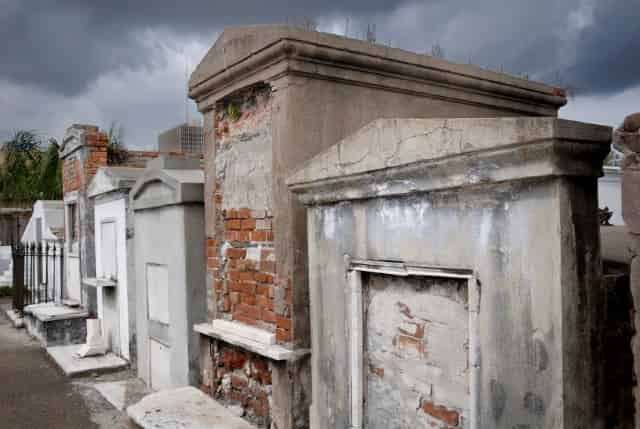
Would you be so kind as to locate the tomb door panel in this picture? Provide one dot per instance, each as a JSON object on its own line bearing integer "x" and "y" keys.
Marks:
{"x": 416, "y": 336}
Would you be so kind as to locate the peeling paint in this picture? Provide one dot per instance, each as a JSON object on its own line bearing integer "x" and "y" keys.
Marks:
{"x": 243, "y": 159}
{"x": 417, "y": 335}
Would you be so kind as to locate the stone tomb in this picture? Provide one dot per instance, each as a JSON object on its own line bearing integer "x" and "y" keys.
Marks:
{"x": 113, "y": 238}
{"x": 453, "y": 271}
{"x": 272, "y": 97}
{"x": 83, "y": 150}
{"x": 170, "y": 272}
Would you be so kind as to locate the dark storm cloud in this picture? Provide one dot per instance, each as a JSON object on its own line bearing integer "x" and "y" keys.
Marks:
{"x": 591, "y": 45}
{"x": 63, "y": 45}
{"x": 608, "y": 52}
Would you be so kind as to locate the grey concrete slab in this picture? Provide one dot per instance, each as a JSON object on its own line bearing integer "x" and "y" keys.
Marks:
{"x": 73, "y": 366}
{"x": 122, "y": 394}
{"x": 185, "y": 407}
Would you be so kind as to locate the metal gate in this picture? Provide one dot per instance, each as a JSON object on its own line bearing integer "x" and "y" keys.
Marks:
{"x": 38, "y": 273}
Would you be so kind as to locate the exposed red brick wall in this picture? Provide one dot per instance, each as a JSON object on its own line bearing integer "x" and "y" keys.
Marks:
{"x": 241, "y": 259}
{"x": 242, "y": 378}
{"x": 448, "y": 416}
{"x": 97, "y": 157}
{"x": 75, "y": 175}
{"x": 71, "y": 178}
{"x": 244, "y": 268}
{"x": 241, "y": 255}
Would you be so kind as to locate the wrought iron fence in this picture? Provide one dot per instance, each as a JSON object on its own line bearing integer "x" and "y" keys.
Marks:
{"x": 38, "y": 273}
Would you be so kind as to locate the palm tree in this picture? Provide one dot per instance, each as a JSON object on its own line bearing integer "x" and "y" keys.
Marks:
{"x": 30, "y": 170}
{"x": 50, "y": 180}
{"x": 116, "y": 151}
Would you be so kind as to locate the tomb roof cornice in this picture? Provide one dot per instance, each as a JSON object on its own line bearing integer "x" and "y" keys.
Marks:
{"x": 244, "y": 56}
{"x": 401, "y": 156}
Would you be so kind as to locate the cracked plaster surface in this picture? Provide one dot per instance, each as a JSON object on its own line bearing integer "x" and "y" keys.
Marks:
{"x": 388, "y": 143}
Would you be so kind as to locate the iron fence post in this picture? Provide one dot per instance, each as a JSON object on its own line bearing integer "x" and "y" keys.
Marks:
{"x": 61, "y": 272}
{"x": 18, "y": 277}
{"x": 34, "y": 275}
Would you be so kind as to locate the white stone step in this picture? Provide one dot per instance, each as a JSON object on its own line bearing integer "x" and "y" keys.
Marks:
{"x": 73, "y": 366}
{"x": 184, "y": 407}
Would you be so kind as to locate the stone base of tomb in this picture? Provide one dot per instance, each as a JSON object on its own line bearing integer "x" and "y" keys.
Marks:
{"x": 55, "y": 324}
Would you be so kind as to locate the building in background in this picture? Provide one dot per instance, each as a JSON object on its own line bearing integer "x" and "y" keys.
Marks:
{"x": 610, "y": 193}
{"x": 183, "y": 138}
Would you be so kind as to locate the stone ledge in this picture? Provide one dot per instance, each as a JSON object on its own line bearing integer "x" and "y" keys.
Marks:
{"x": 51, "y": 311}
{"x": 240, "y": 330}
{"x": 185, "y": 407}
{"x": 244, "y": 336}
{"x": 404, "y": 269}
{"x": 99, "y": 282}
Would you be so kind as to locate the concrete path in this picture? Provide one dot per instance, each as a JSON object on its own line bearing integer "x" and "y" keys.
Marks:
{"x": 34, "y": 394}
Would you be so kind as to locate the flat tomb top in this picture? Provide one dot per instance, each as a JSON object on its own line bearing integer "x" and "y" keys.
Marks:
{"x": 52, "y": 311}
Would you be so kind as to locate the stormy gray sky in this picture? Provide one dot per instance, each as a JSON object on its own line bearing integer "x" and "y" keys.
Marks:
{"x": 66, "y": 61}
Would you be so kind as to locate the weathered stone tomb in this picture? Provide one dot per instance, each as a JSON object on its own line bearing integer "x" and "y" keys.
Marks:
{"x": 454, "y": 273}
{"x": 113, "y": 236}
{"x": 169, "y": 271}
{"x": 273, "y": 97}
{"x": 84, "y": 150}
